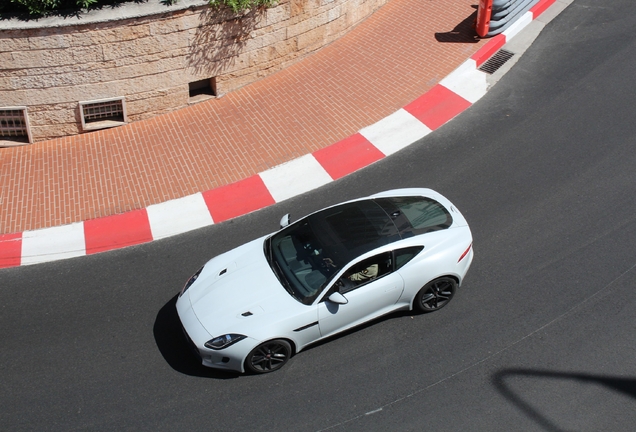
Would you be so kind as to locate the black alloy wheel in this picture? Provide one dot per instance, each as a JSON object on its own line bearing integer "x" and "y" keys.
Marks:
{"x": 268, "y": 356}
{"x": 435, "y": 294}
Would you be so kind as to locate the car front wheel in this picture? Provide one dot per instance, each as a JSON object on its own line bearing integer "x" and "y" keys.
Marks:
{"x": 435, "y": 294}
{"x": 268, "y": 356}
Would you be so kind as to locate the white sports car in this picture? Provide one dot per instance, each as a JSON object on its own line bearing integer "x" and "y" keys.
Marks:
{"x": 252, "y": 308}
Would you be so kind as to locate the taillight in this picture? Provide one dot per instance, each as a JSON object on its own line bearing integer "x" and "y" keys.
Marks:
{"x": 465, "y": 253}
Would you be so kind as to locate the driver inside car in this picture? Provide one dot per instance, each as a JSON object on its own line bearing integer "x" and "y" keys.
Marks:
{"x": 371, "y": 272}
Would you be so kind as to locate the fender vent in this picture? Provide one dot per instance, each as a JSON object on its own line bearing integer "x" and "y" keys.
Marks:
{"x": 496, "y": 61}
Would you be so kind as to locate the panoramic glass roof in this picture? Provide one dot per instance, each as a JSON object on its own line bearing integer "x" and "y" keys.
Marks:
{"x": 308, "y": 253}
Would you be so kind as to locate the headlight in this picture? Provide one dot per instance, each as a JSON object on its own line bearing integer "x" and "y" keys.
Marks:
{"x": 190, "y": 281}
{"x": 221, "y": 342}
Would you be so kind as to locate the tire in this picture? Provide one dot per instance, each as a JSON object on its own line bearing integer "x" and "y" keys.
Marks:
{"x": 268, "y": 356}
{"x": 435, "y": 295}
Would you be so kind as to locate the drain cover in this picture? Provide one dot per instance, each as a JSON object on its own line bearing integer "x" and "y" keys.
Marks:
{"x": 496, "y": 61}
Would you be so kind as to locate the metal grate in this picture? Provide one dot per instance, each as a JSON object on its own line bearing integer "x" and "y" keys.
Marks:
{"x": 13, "y": 123}
{"x": 496, "y": 61}
{"x": 98, "y": 111}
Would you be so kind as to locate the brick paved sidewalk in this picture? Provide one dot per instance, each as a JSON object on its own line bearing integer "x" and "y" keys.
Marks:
{"x": 389, "y": 60}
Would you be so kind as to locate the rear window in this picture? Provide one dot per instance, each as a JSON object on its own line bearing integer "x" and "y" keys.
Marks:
{"x": 416, "y": 215}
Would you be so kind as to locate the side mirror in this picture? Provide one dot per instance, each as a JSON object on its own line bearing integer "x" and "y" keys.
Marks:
{"x": 284, "y": 221}
{"x": 338, "y": 298}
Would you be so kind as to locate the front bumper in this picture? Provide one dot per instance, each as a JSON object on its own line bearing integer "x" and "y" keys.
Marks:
{"x": 230, "y": 358}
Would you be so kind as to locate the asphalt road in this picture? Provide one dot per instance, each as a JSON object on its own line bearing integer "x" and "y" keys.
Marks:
{"x": 540, "y": 337}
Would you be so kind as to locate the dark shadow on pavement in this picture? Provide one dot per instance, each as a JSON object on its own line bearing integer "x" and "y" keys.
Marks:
{"x": 175, "y": 349}
{"x": 464, "y": 32}
{"x": 623, "y": 385}
{"x": 358, "y": 328}
{"x": 177, "y": 352}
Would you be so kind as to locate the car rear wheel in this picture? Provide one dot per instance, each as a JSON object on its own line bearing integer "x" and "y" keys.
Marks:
{"x": 268, "y": 356}
{"x": 435, "y": 294}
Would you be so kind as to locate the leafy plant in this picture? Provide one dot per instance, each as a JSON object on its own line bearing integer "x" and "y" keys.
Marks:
{"x": 242, "y": 5}
{"x": 46, "y": 7}
{"x": 43, "y": 7}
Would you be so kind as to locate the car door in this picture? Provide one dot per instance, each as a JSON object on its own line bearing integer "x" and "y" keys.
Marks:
{"x": 368, "y": 295}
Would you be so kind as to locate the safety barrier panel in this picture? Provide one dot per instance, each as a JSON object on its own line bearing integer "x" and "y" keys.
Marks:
{"x": 482, "y": 24}
{"x": 495, "y": 16}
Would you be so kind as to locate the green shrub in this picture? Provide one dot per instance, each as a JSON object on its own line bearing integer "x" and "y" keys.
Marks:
{"x": 48, "y": 7}
{"x": 241, "y": 5}
{"x": 44, "y": 7}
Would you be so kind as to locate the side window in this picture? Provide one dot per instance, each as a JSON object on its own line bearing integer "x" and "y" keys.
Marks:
{"x": 365, "y": 271}
{"x": 402, "y": 256}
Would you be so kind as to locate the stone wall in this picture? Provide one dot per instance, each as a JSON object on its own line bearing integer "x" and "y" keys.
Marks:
{"x": 150, "y": 55}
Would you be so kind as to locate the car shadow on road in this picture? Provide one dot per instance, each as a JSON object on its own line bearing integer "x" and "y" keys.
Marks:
{"x": 391, "y": 316}
{"x": 174, "y": 348}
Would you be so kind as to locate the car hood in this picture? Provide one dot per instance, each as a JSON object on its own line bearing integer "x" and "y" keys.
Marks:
{"x": 237, "y": 289}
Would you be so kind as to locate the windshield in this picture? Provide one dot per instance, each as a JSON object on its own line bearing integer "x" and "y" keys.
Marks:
{"x": 306, "y": 255}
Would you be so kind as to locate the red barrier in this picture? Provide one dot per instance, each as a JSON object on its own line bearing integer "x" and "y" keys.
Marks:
{"x": 483, "y": 17}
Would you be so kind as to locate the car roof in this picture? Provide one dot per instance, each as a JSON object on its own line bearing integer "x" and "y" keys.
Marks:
{"x": 345, "y": 231}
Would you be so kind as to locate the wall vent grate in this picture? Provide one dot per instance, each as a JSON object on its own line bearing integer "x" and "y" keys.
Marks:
{"x": 13, "y": 123}
{"x": 105, "y": 113}
{"x": 14, "y": 126}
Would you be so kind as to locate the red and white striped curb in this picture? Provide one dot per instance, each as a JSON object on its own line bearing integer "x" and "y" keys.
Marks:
{"x": 455, "y": 93}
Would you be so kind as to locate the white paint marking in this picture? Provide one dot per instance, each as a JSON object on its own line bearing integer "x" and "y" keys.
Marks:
{"x": 295, "y": 177}
{"x": 519, "y": 25}
{"x": 395, "y": 132}
{"x": 178, "y": 216}
{"x": 467, "y": 81}
{"x": 51, "y": 244}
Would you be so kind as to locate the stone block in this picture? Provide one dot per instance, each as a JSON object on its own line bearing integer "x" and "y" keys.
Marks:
{"x": 114, "y": 32}
{"x": 187, "y": 21}
{"x": 311, "y": 38}
{"x": 13, "y": 40}
{"x": 252, "y": 44}
{"x": 140, "y": 47}
{"x": 334, "y": 13}
{"x": 280, "y": 13}
{"x": 49, "y": 40}
{"x": 40, "y": 58}
{"x": 52, "y": 131}
{"x": 297, "y": 7}
{"x": 57, "y": 114}
{"x": 335, "y": 28}
{"x": 10, "y": 98}
{"x": 88, "y": 54}
{"x": 299, "y": 28}
{"x": 274, "y": 37}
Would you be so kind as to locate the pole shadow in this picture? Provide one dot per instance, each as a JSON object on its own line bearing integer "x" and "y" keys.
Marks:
{"x": 464, "y": 32}
{"x": 622, "y": 385}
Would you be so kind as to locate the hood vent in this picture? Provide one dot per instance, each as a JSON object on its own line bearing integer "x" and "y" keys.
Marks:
{"x": 246, "y": 314}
